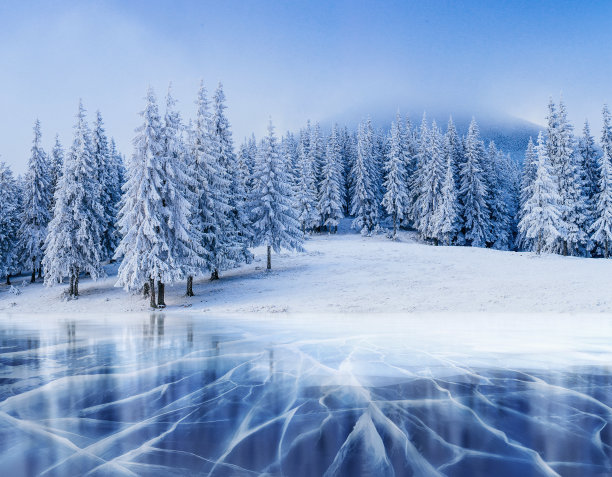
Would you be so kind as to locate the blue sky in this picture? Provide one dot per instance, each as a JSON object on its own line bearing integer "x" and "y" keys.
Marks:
{"x": 294, "y": 60}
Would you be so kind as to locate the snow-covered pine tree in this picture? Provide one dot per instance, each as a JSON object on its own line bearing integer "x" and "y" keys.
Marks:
{"x": 395, "y": 199}
{"x": 73, "y": 245}
{"x": 431, "y": 172}
{"x": 56, "y": 165}
{"x": 497, "y": 200}
{"x": 107, "y": 178}
{"x": 316, "y": 155}
{"x": 331, "y": 186}
{"x": 473, "y": 192}
{"x": 589, "y": 161}
{"x": 306, "y": 185}
{"x": 274, "y": 221}
{"x": 36, "y": 211}
{"x": 348, "y": 159}
{"x": 447, "y": 213}
{"x": 363, "y": 198}
{"x": 601, "y": 229}
{"x": 541, "y": 218}
{"x": 10, "y": 217}
{"x": 417, "y": 178}
{"x": 237, "y": 234}
{"x": 574, "y": 210}
{"x": 530, "y": 163}
{"x": 213, "y": 160}
{"x": 144, "y": 217}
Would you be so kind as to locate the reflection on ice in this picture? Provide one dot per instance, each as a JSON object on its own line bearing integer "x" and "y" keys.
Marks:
{"x": 168, "y": 395}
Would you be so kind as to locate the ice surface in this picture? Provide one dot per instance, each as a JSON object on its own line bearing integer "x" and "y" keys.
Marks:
{"x": 378, "y": 395}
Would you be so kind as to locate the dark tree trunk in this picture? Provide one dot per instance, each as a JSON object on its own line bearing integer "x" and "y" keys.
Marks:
{"x": 39, "y": 272}
{"x": 160, "y": 294}
{"x": 33, "y": 279}
{"x": 189, "y": 286}
{"x": 606, "y": 251}
{"x": 8, "y": 278}
{"x": 394, "y": 226}
{"x": 269, "y": 258}
{"x": 71, "y": 289}
{"x": 214, "y": 274}
{"x": 152, "y": 292}
{"x": 76, "y": 282}
{"x": 145, "y": 290}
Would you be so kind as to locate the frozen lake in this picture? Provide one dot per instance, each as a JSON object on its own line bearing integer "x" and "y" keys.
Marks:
{"x": 492, "y": 395}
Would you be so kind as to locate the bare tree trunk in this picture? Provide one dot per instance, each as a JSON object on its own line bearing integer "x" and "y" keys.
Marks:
{"x": 269, "y": 258}
{"x": 8, "y": 278}
{"x": 394, "y": 226}
{"x": 189, "y": 286}
{"x": 33, "y": 279}
{"x": 40, "y": 272}
{"x": 145, "y": 290}
{"x": 606, "y": 251}
{"x": 564, "y": 248}
{"x": 71, "y": 289}
{"x": 152, "y": 292}
{"x": 539, "y": 247}
{"x": 214, "y": 274}
{"x": 160, "y": 294}
{"x": 76, "y": 281}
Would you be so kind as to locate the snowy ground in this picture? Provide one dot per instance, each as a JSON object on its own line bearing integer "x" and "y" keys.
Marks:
{"x": 350, "y": 273}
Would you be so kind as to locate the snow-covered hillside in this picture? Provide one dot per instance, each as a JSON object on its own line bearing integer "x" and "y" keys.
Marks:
{"x": 351, "y": 273}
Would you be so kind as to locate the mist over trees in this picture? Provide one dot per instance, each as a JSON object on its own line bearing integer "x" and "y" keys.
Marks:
{"x": 189, "y": 204}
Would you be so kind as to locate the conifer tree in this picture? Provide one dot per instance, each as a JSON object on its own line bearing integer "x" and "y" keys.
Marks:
{"x": 602, "y": 226}
{"x": 363, "y": 198}
{"x": 473, "y": 191}
{"x": 306, "y": 186}
{"x": 330, "y": 190}
{"x": 236, "y": 233}
{"x": 55, "y": 166}
{"x": 447, "y": 212}
{"x": 10, "y": 215}
{"x": 395, "y": 199}
{"x": 541, "y": 218}
{"x": 73, "y": 245}
{"x": 36, "y": 211}
{"x": 274, "y": 220}
{"x": 107, "y": 178}
{"x": 147, "y": 221}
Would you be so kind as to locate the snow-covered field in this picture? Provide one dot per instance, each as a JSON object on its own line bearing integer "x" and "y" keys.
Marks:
{"x": 350, "y": 273}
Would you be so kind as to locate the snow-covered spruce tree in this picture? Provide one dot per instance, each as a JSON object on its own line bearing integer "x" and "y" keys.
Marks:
{"x": 589, "y": 161}
{"x": 316, "y": 155}
{"x": 530, "y": 162}
{"x": 10, "y": 216}
{"x": 497, "y": 199}
{"x": 56, "y": 164}
{"x": 541, "y": 218}
{"x": 330, "y": 189}
{"x": 73, "y": 245}
{"x": 417, "y": 178}
{"x": 380, "y": 149}
{"x": 431, "y": 173}
{"x": 36, "y": 206}
{"x": 245, "y": 164}
{"x": 473, "y": 192}
{"x": 237, "y": 235}
{"x": 202, "y": 222}
{"x": 348, "y": 159}
{"x": 146, "y": 220}
{"x": 574, "y": 210}
{"x": 363, "y": 198}
{"x": 306, "y": 185}
{"x": 447, "y": 213}
{"x": 107, "y": 177}
{"x": 289, "y": 151}
{"x": 602, "y": 226}
{"x": 395, "y": 199}
{"x": 274, "y": 221}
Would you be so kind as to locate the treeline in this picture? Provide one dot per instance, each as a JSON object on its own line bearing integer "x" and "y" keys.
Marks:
{"x": 186, "y": 203}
